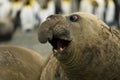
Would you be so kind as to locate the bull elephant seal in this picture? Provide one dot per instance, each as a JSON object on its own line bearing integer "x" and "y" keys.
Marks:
{"x": 17, "y": 63}
{"x": 84, "y": 48}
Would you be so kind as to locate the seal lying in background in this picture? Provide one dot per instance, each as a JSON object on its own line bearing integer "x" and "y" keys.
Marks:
{"x": 6, "y": 29}
{"x": 84, "y": 48}
{"x": 17, "y": 63}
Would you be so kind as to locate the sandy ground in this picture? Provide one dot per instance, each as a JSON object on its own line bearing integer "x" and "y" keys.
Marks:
{"x": 29, "y": 40}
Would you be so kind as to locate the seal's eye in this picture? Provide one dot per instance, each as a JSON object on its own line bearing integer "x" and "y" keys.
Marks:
{"x": 74, "y": 18}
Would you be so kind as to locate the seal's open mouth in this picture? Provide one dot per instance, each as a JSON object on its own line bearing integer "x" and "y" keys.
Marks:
{"x": 59, "y": 44}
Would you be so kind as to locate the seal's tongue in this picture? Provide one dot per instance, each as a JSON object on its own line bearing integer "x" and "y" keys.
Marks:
{"x": 61, "y": 44}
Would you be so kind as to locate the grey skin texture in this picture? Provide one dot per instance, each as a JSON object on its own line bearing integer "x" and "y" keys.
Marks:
{"x": 84, "y": 48}
{"x": 18, "y": 63}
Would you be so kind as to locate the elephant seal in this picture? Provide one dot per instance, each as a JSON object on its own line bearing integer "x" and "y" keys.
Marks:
{"x": 6, "y": 29}
{"x": 84, "y": 48}
{"x": 18, "y": 63}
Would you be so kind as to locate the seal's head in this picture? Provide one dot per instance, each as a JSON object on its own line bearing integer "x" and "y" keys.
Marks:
{"x": 83, "y": 44}
{"x": 63, "y": 31}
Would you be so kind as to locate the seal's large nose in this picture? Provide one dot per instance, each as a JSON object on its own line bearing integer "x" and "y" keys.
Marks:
{"x": 45, "y": 31}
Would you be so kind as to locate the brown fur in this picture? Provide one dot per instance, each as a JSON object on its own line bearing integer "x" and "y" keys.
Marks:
{"x": 93, "y": 53}
{"x": 17, "y": 63}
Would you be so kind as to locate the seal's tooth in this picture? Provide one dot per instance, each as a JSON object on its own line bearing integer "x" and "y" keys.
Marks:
{"x": 55, "y": 50}
{"x": 61, "y": 49}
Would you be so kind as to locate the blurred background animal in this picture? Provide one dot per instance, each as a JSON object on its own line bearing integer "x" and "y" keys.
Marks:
{"x": 29, "y": 16}
{"x": 18, "y": 63}
{"x": 6, "y": 21}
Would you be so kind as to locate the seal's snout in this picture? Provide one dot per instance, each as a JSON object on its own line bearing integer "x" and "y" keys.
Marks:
{"x": 56, "y": 31}
{"x": 45, "y": 31}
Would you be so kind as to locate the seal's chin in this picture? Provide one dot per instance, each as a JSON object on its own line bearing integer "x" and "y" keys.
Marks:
{"x": 59, "y": 45}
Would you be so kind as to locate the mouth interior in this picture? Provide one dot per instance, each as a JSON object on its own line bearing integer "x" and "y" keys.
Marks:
{"x": 59, "y": 44}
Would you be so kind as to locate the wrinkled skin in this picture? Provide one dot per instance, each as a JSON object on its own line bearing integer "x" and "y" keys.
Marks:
{"x": 84, "y": 48}
{"x": 17, "y": 63}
